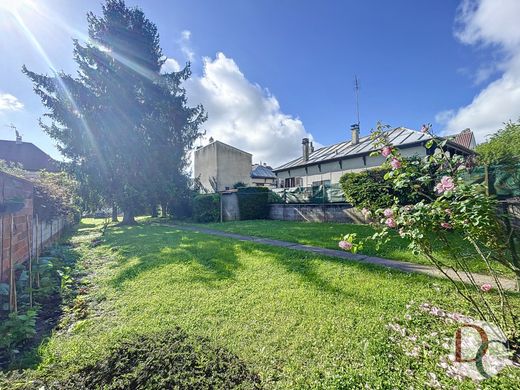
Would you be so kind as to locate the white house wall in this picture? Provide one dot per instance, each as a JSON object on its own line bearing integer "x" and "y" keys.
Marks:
{"x": 333, "y": 171}
{"x": 223, "y": 163}
{"x": 234, "y": 166}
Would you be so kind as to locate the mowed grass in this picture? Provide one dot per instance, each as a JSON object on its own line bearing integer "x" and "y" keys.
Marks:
{"x": 328, "y": 235}
{"x": 297, "y": 319}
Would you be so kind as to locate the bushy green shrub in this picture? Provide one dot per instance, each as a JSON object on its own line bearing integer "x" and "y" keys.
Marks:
{"x": 167, "y": 360}
{"x": 367, "y": 189}
{"x": 206, "y": 208}
{"x": 253, "y": 202}
{"x": 370, "y": 190}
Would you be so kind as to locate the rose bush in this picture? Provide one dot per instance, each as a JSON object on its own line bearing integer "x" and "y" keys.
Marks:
{"x": 447, "y": 205}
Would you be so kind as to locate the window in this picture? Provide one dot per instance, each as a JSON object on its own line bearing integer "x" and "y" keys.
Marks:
{"x": 294, "y": 182}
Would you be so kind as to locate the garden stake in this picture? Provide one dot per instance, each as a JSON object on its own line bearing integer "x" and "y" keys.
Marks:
{"x": 37, "y": 256}
{"x": 2, "y": 250}
{"x": 30, "y": 262}
{"x": 12, "y": 281}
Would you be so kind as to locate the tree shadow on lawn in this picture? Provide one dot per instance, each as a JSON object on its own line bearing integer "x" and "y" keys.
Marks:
{"x": 214, "y": 259}
{"x": 309, "y": 267}
{"x": 150, "y": 248}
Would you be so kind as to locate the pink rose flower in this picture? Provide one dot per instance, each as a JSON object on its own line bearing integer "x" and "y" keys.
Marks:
{"x": 345, "y": 245}
{"x": 388, "y": 213}
{"x": 446, "y": 225}
{"x": 390, "y": 222}
{"x": 386, "y": 151}
{"x": 395, "y": 163}
{"x": 446, "y": 184}
{"x": 486, "y": 287}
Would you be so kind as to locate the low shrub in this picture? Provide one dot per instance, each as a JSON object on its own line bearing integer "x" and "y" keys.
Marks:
{"x": 167, "y": 360}
{"x": 367, "y": 189}
{"x": 206, "y": 208}
{"x": 253, "y": 202}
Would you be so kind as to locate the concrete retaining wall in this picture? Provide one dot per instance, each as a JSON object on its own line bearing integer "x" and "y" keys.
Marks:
{"x": 340, "y": 212}
{"x": 230, "y": 210}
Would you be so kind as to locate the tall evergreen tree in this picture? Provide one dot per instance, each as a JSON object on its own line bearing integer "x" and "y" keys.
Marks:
{"x": 124, "y": 126}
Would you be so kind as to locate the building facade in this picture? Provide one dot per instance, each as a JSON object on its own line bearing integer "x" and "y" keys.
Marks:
{"x": 263, "y": 176}
{"x": 219, "y": 166}
{"x": 326, "y": 165}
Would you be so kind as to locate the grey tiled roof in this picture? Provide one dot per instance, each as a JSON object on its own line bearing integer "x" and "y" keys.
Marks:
{"x": 260, "y": 171}
{"x": 399, "y": 137}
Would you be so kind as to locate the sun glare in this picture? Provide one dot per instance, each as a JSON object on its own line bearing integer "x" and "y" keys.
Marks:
{"x": 15, "y": 6}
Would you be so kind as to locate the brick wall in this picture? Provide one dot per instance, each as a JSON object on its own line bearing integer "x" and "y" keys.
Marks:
{"x": 14, "y": 219}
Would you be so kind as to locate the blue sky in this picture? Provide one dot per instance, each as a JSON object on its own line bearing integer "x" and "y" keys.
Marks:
{"x": 270, "y": 72}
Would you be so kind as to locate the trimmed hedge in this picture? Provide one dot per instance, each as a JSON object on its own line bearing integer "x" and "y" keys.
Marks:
{"x": 253, "y": 202}
{"x": 206, "y": 208}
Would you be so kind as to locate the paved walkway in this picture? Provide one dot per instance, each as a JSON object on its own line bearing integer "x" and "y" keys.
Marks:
{"x": 508, "y": 284}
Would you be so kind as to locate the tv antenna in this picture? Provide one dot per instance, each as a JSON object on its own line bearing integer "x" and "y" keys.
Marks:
{"x": 13, "y": 127}
{"x": 356, "y": 89}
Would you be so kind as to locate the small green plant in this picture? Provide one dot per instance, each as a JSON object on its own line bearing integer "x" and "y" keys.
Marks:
{"x": 14, "y": 330}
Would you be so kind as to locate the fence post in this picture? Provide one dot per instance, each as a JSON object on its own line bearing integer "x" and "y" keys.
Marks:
{"x": 30, "y": 261}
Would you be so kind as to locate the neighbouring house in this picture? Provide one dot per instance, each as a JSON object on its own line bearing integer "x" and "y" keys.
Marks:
{"x": 326, "y": 165}
{"x": 28, "y": 155}
{"x": 262, "y": 175}
{"x": 219, "y": 166}
{"x": 465, "y": 138}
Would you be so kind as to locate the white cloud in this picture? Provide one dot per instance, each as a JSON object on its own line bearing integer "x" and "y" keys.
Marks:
{"x": 9, "y": 102}
{"x": 185, "y": 44}
{"x": 170, "y": 65}
{"x": 243, "y": 114}
{"x": 492, "y": 23}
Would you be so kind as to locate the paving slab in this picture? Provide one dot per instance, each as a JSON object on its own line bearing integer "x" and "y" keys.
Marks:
{"x": 507, "y": 284}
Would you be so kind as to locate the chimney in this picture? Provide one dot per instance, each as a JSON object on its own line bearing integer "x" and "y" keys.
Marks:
{"x": 18, "y": 138}
{"x": 306, "y": 149}
{"x": 355, "y": 133}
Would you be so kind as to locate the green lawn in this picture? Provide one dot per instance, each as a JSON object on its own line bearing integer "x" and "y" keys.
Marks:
{"x": 297, "y": 319}
{"x": 328, "y": 235}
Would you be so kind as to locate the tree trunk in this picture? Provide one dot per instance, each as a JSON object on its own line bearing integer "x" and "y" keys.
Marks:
{"x": 128, "y": 218}
{"x": 114, "y": 213}
{"x": 155, "y": 214}
{"x": 164, "y": 210}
